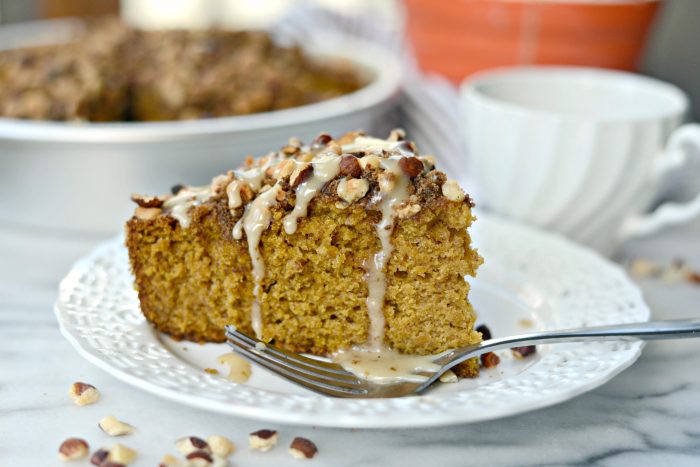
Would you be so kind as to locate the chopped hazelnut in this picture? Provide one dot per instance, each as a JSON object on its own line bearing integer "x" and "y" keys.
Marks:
{"x": 290, "y": 150}
{"x": 350, "y": 166}
{"x": 428, "y": 162}
{"x": 191, "y": 444}
{"x": 641, "y": 267}
{"x": 448, "y": 377}
{"x": 411, "y": 166}
{"x": 284, "y": 169}
{"x": 147, "y": 201}
{"x": 485, "y": 332}
{"x": 334, "y": 148}
{"x": 146, "y": 214}
{"x": 73, "y": 449}
{"x": 370, "y": 162}
{"x": 121, "y": 454}
{"x": 200, "y": 458}
{"x": 219, "y": 182}
{"x": 172, "y": 461}
{"x": 407, "y": 210}
{"x": 452, "y": 191}
{"x": 83, "y": 393}
{"x": 397, "y": 134}
{"x": 114, "y": 427}
{"x": 352, "y": 189}
{"x": 239, "y": 369}
{"x": 524, "y": 351}
{"x": 321, "y": 140}
{"x": 262, "y": 440}
{"x": 220, "y": 445}
{"x": 490, "y": 360}
{"x": 407, "y": 147}
{"x": 301, "y": 173}
{"x": 99, "y": 457}
{"x": 694, "y": 277}
{"x": 302, "y": 448}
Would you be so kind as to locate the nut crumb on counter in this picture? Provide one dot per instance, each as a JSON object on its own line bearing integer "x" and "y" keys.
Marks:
{"x": 83, "y": 393}
{"x": 263, "y": 440}
{"x": 302, "y": 448}
{"x": 73, "y": 449}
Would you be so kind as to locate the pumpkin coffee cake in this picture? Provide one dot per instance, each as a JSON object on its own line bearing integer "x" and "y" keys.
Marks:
{"x": 347, "y": 243}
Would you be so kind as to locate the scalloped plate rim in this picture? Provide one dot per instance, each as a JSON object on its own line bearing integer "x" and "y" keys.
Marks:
{"x": 349, "y": 420}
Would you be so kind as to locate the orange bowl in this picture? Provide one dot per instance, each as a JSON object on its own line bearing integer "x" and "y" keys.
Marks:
{"x": 459, "y": 37}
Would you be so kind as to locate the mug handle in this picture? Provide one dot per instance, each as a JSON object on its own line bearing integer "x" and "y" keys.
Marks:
{"x": 682, "y": 146}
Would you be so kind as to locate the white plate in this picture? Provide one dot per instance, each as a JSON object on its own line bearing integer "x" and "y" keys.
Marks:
{"x": 528, "y": 276}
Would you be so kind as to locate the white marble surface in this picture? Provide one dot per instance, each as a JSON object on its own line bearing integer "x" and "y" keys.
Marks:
{"x": 649, "y": 415}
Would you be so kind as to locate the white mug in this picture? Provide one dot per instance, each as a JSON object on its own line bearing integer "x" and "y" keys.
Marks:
{"x": 581, "y": 151}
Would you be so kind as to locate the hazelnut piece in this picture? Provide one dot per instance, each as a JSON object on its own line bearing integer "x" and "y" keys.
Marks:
{"x": 352, "y": 189}
{"x": 83, "y": 393}
{"x": 407, "y": 210}
{"x": 262, "y": 440}
{"x": 485, "y": 332}
{"x": 321, "y": 140}
{"x": 220, "y": 445}
{"x": 411, "y": 166}
{"x": 120, "y": 454}
{"x": 114, "y": 427}
{"x": 524, "y": 351}
{"x": 239, "y": 369}
{"x": 172, "y": 461}
{"x": 370, "y": 162}
{"x": 490, "y": 360}
{"x": 72, "y": 449}
{"x": 284, "y": 169}
{"x": 146, "y": 214}
{"x": 191, "y": 444}
{"x": 301, "y": 174}
{"x": 448, "y": 377}
{"x": 452, "y": 191}
{"x": 147, "y": 201}
{"x": 200, "y": 458}
{"x": 99, "y": 457}
{"x": 397, "y": 134}
{"x": 350, "y": 166}
{"x": 302, "y": 448}
{"x": 428, "y": 162}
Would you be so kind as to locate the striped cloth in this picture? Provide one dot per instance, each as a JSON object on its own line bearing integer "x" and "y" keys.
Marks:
{"x": 428, "y": 109}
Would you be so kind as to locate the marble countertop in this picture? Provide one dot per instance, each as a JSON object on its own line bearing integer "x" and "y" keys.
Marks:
{"x": 648, "y": 415}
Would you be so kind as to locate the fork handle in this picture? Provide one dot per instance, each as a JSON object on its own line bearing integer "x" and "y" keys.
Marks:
{"x": 651, "y": 330}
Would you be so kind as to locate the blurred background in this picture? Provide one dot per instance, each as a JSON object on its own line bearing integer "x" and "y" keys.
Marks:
{"x": 670, "y": 27}
{"x": 418, "y": 52}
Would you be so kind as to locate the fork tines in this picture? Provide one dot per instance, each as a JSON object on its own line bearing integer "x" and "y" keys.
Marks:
{"x": 324, "y": 377}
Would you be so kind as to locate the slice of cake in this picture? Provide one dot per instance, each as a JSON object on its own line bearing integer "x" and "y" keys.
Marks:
{"x": 355, "y": 242}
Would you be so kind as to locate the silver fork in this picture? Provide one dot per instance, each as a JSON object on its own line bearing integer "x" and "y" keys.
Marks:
{"x": 333, "y": 380}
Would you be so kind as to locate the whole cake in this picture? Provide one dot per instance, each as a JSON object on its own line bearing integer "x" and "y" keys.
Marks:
{"x": 354, "y": 242}
{"x": 111, "y": 72}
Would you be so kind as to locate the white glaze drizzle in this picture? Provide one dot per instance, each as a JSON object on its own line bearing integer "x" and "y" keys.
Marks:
{"x": 325, "y": 168}
{"x": 256, "y": 175}
{"x": 180, "y": 204}
{"x": 376, "y": 264}
{"x": 255, "y": 221}
{"x": 385, "y": 366}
